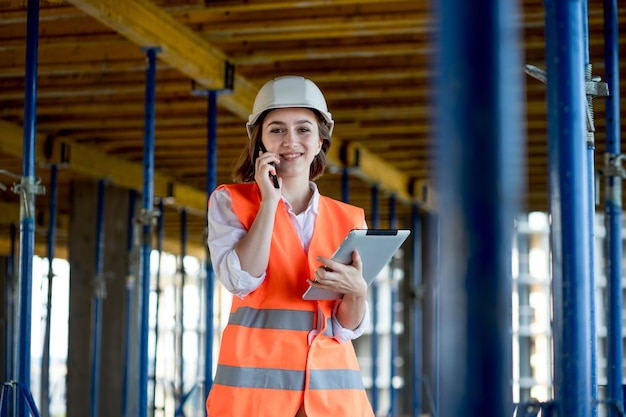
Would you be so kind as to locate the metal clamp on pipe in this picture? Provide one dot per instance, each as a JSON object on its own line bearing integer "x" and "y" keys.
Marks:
{"x": 28, "y": 188}
{"x": 614, "y": 169}
{"x": 144, "y": 224}
{"x": 613, "y": 165}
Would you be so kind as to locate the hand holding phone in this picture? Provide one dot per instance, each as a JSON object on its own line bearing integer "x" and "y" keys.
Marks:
{"x": 274, "y": 177}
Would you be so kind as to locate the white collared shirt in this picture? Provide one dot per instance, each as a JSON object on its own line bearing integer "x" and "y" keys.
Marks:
{"x": 225, "y": 230}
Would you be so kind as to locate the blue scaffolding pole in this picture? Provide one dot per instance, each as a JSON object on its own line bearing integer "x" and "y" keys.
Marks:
{"x": 181, "y": 311}
{"x": 393, "y": 338}
{"x": 129, "y": 297}
{"x": 211, "y": 184}
{"x": 416, "y": 310}
{"x": 479, "y": 146}
{"x": 591, "y": 146}
{"x": 27, "y": 190}
{"x": 147, "y": 201}
{"x": 98, "y": 296}
{"x": 613, "y": 208}
{"x": 51, "y": 246}
{"x": 570, "y": 238}
{"x": 374, "y": 306}
{"x": 9, "y": 334}
{"x": 157, "y": 299}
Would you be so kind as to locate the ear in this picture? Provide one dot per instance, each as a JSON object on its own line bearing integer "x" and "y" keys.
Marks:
{"x": 319, "y": 146}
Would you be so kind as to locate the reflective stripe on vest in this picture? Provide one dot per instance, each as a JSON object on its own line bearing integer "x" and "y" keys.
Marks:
{"x": 288, "y": 379}
{"x": 276, "y": 319}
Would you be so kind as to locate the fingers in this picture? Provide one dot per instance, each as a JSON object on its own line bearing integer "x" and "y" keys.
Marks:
{"x": 332, "y": 265}
{"x": 265, "y": 170}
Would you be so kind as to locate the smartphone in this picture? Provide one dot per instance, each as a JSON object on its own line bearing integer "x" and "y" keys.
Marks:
{"x": 274, "y": 177}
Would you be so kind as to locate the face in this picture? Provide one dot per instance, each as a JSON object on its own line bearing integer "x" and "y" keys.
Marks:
{"x": 293, "y": 135}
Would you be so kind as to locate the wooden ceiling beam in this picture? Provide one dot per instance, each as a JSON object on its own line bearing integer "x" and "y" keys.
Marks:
{"x": 317, "y": 28}
{"x": 221, "y": 7}
{"x": 89, "y": 161}
{"x": 258, "y": 56}
{"x": 147, "y": 25}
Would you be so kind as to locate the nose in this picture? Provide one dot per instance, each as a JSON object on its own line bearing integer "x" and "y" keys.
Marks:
{"x": 290, "y": 138}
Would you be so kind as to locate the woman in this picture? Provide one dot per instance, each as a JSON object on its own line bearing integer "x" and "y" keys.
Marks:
{"x": 270, "y": 237}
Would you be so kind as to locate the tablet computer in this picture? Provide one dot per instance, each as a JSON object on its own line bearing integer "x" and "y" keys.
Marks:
{"x": 376, "y": 247}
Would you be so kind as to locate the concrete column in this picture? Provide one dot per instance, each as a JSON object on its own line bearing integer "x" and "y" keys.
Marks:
{"x": 82, "y": 243}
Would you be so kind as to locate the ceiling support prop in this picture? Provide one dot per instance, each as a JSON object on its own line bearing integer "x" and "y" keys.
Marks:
{"x": 99, "y": 293}
{"x": 374, "y": 292}
{"x": 50, "y": 252}
{"x": 28, "y": 188}
{"x": 613, "y": 209}
{"x": 148, "y": 215}
{"x": 211, "y": 184}
{"x": 570, "y": 237}
{"x": 479, "y": 143}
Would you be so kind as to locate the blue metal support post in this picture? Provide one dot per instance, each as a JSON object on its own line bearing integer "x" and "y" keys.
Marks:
{"x": 147, "y": 201}
{"x": 393, "y": 337}
{"x": 591, "y": 146}
{"x": 613, "y": 208}
{"x": 211, "y": 184}
{"x": 129, "y": 297}
{"x": 27, "y": 190}
{"x": 374, "y": 307}
{"x": 10, "y": 285}
{"x": 51, "y": 246}
{"x": 160, "y": 238}
{"x": 570, "y": 240}
{"x": 181, "y": 310}
{"x": 98, "y": 296}
{"x": 416, "y": 310}
{"x": 479, "y": 92}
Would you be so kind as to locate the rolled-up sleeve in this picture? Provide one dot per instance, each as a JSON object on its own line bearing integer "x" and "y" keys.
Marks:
{"x": 225, "y": 230}
{"x": 341, "y": 334}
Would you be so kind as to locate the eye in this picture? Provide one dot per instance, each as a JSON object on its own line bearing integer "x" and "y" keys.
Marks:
{"x": 304, "y": 130}
{"x": 276, "y": 130}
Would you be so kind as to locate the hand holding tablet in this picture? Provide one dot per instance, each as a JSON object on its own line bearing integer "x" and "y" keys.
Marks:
{"x": 376, "y": 248}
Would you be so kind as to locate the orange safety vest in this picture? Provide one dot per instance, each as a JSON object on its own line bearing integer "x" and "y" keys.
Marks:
{"x": 277, "y": 350}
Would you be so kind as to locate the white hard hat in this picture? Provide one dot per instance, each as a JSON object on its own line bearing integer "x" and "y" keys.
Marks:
{"x": 289, "y": 91}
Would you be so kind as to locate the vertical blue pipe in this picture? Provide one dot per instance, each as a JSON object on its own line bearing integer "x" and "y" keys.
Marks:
{"x": 97, "y": 303}
{"x": 160, "y": 238}
{"x": 51, "y": 246}
{"x": 479, "y": 148}
{"x": 568, "y": 207}
{"x": 613, "y": 206}
{"x": 374, "y": 291}
{"x": 181, "y": 309}
{"x": 129, "y": 296}
{"x": 416, "y": 310}
{"x": 393, "y": 338}
{"x": 9, "y": 359}
{"x": 147, "y": 199}
{"x": 27, "y": 199}
{"x": 592, "y": 215}
{"x": 211, "y": 184}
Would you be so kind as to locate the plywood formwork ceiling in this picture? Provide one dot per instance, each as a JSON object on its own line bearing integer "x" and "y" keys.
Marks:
{"x": 373, "y": 60}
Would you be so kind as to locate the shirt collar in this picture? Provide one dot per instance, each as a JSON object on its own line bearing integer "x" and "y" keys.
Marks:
{"x": 313, "y": 202}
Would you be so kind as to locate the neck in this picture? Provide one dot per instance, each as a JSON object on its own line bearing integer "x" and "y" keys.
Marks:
{"x": 298, "y": 194}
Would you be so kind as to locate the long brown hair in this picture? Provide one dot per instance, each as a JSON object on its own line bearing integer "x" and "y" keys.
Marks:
{"x": 244, "y": 166}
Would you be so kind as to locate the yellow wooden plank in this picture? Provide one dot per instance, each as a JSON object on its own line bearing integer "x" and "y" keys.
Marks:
{"x": 89, "y": 161}
{"x": 147, "y": 25}
{"x": 376, "y": 170}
